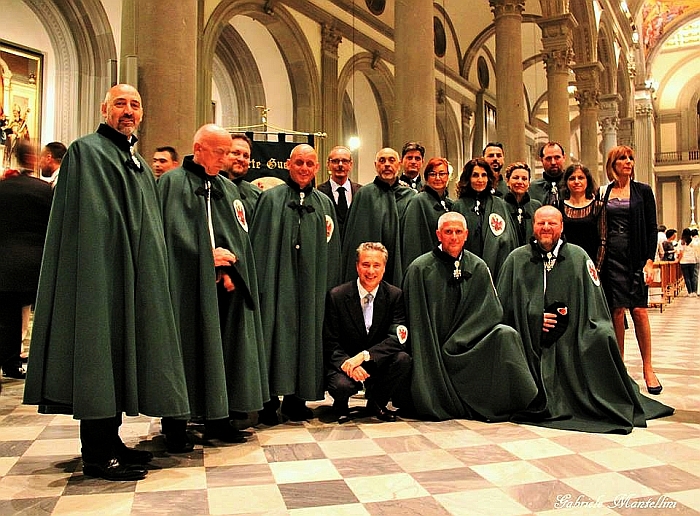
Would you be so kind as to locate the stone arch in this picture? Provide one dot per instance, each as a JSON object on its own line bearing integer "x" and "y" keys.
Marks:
{"x": 380, "y": 79}
{"x": 449, "y": 132}
{"x": 688, "y": 16}
{"x": 292, "y": 45}
{"x": 584, "y": 35}
{"x": 83, "y": 43}
{"x": 606, "y": 56}
{"x": 239, "y": 78}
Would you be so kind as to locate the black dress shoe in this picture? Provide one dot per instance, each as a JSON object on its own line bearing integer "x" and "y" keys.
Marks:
{"x": 176, "y": 442}
{"x": 14, "y": 372}
{"x": 296, "y": 409}
{"x": 381, "y": 413}
{"x": 132, "y": 456}
{"x": 114, "y": 470}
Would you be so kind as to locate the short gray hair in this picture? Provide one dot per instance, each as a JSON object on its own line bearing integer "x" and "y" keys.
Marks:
{"x": 371, "y": 246}
{"x": 452, "y": 216}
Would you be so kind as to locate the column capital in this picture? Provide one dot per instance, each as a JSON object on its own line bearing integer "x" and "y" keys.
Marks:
{"x": 507, "y": 7}
{"x": 587, "y": 98}
{"x": 686, "y": 180}
{"x": 557, "y": 31}
{"x": 609, "y": 104}
{"x": 643, "y": 110}
{"x": 467, "y": 113}
{"x": 558, "y": 60}
{"x": 330, "y": 39}
{"x": 609, "y": 124}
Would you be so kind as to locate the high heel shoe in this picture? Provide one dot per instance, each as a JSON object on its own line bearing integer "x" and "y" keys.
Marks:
{"x": 656, "y": 390}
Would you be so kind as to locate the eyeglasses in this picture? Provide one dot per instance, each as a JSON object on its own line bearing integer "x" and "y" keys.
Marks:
{"x": 338, "y": 161}
{"x": 441, "y": 175}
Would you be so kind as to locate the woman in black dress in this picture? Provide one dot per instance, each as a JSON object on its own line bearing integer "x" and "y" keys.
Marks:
{"x": 629, "y": 260}
{"x": 583, "y": 214}
{"x": 521, "y": 206}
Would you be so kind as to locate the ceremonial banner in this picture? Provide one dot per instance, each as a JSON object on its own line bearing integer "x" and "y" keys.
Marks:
{"x": 270, "y": 153}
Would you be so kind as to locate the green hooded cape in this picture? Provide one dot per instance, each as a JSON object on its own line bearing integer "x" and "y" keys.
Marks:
{"x": 583, "y": 383}
{"x": 104, "y": 339}
{"x": 220, "y": 332}
{"x": 420, "y": 223}
{"x": 465, "y": 363}
{"x": 498, "y": 235}
{"x": 248, "y": 193}
{"x": 297, "y": 249}
{"x": 375, "y": 216}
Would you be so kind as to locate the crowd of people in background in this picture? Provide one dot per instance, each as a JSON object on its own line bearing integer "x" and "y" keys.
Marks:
{"x": 184, "y": 292}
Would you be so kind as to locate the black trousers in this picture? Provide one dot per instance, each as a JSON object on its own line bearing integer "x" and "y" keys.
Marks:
{"x": 100, "y": 439}
{"x": 384, "y": 380}
{"x": 11, "y": 304}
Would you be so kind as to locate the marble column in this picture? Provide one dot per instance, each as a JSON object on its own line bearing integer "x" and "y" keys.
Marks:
{"x": 510, "y": 122}
{"x": 467, "y": 114}
{"x": 644, "y": 142}
{"x": 686, "y": 184}
{"x": 609, "y": 123}
{"x": 587, "y": 96}
{"x": 330, "y": 100}
{"x": 414, "y": 55}
{"x": 557, "y": 40}
{"x": 165, "y": 70}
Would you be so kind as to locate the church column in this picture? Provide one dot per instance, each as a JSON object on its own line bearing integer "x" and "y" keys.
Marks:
{"x": 644, "y": 141}
{"x": 414, "y": 54}
{"x": 510, "y": 120}
{"x": 587, "y": 95}
{"x": 163, "y": 69}
{"x": 557, "y": 40}
{"x": 686, "y": 184}
{"x": 467, "y": 114}
{"x": 330, "y": 112}
{"x": 609, "y": 123}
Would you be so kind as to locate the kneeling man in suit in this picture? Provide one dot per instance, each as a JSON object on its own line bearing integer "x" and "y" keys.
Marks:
{"x": 364, "y": 336}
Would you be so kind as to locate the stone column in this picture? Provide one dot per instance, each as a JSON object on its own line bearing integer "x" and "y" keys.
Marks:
{"x": 165, "y": 68}
{"x": 587, "y": 95}
{"x": 330, "y": 101}
{"x": 510, "y": 121}
{"x": 557, "y": 40}
{"x": 644, "y": 142}
{"x": 686, "y": 184}
{"x": 467, "y": 114}
{"x": 414, "y": 54}
{"x": 609, "y": 123}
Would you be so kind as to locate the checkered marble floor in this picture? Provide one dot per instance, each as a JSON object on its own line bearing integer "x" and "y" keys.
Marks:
{"x": 365, "y": 467}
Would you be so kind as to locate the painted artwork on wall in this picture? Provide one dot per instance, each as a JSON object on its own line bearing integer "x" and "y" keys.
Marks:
{"x": 20, "y": 97}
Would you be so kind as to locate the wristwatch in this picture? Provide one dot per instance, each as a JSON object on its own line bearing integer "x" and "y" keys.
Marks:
{"x": 365, "y": 356}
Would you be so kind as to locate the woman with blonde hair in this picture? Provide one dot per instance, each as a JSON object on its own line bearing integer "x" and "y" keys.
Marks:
{"x": 631, "y": 246}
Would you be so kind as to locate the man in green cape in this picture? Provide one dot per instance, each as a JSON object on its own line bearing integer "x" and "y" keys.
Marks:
{"x": 375, "y": 216}
{"x": 237, "y": 167}
{"x": 465, "y": 363}
{"x": 215, "y": 292}
{"x": 104, "y": 339}
{"x": 297, "y": 249}
{"x": 552, "y": 295}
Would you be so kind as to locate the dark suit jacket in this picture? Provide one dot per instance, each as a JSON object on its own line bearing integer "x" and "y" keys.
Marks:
{"x": 344, "y": 334}
{"x": 326, "y": 189}
{"x": 25, "y": 202}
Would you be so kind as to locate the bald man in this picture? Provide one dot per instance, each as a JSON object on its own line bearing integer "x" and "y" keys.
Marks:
{"x": 375, "y": 216}
{"x": 297, "y": 247}
{"x": 104, "y": 339}
{"x": 215, "y": 292}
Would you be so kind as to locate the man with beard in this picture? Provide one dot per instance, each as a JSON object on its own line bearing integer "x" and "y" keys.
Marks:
{"x": 339, "y": 188}
{"x": 104, "y": 339}
{"x": 493, "y": 154}
{"x": 547, "y": 190}
{"x": 552, "y": 296}
{"x": 297, "y": 247}
{"x": 465, "y": 363}
{"x": 237, "y": 167}
{"x": 215, "y": 292}
{"x": 50, "y": 161}
{"x": 412, "y": 156}
{"x": 375, "y": 216}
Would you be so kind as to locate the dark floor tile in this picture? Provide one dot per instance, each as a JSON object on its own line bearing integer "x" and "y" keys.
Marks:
{"x": 337, "y": 433}
{"x": 541, "y": 496}
{"x": 427, "y": 427}
{"x": 242, "y": 475}
{"x": 317, "y": 494}
{"x": 14, "y": 448}
{"x": 409, "y": 506}
{"x": 664, "y": 479}
{"x": 487, "y": 454}
{"x": 60, "y": 432}
{"x": 45, "y": 465}
{"x": 28, "y": 506}
{"x": 366, "y": 466}
{"x": 292, "y": 452}
{"x": 451, "y": 480}
{"x": 405, "y": 443}
{"x": 26, "y": 420}
{"x": 185, "y": 503}
{"x": 80, "y": 484}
